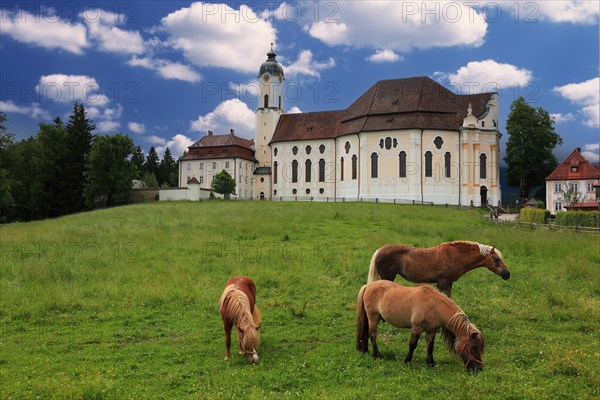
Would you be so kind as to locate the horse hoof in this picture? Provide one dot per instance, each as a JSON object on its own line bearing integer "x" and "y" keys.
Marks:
{"x": 431, "y": 364}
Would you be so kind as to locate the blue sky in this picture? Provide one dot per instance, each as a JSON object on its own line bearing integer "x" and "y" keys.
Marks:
{"x": 164, "y": 72}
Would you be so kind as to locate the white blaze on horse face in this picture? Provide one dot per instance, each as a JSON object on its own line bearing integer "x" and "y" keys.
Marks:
{"x": 254, "y": 358}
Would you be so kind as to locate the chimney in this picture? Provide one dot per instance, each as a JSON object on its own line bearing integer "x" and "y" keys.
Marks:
{"x": 579, "y": 149}
{"x": 210, "y": 133}
{"x": 232, "y": 132}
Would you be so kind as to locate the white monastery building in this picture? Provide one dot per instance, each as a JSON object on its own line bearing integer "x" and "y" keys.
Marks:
{"x": 405, "y": 139}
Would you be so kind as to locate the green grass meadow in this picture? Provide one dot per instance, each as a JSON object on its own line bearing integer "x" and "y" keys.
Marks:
{"x": 122, "y": 303}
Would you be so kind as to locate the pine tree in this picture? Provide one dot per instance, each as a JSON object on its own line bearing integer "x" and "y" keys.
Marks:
{"x": 79, "y": 137}
{"x": 138, "y": 159}
{"x": 152, "y": 162}
{"x": 168, "y": 170}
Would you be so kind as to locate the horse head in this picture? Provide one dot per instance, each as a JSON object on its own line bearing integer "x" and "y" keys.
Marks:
{"x": 250, "y": 341}
{"x": 492, "y": 260}
{"x": 470, "y": 349}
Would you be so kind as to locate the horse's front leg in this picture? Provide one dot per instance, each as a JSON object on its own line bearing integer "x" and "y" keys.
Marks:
{"x": 240, "y": 333}
{"x": 430, "y": 338}
{"x": 412, "y": 345}
{"x": 445, "y": 286}
{"x": 227, "y": 325}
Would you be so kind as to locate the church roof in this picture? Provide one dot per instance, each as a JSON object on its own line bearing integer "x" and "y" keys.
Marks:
{"x": 220, "y": 146}
{"x": 409, "y": 103}
{"x": 271, "y": 65}
{"x": 211, "y": 140}
{"x": 566, "y": 170}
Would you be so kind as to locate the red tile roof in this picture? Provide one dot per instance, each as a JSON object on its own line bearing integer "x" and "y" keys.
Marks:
{"x": 409, "y": 103}
{"x": 585, "y": 170}
{"x": 219, "y": 147}
{"x": 211, "y": 140}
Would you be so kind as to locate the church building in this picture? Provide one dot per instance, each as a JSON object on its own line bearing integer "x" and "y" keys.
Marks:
{"x": 406, "y": 140}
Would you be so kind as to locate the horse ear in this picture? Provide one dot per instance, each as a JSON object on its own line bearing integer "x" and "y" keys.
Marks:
{"x": 474, "y": 335}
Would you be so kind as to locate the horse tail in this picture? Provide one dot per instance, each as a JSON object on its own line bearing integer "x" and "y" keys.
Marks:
{"x": 373, "y": 274}
{"x": 362, "y": 323}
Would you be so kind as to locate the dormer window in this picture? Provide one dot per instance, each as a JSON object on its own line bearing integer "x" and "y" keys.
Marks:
{"x": 574, "y": 168}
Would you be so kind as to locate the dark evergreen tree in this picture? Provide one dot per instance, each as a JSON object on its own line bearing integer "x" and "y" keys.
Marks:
{"x": 109, "y": 171}
{"x": 31, "y": 200}
{"x": 7, "y": 141}
{"x": 51, "y": 163}
{"x": 152, "y": 162}
{"x": 168, "y": 170}
{"x": 529, "y": 157}
{"x": 79, "y": 137}
{"x": 138, "y": 159}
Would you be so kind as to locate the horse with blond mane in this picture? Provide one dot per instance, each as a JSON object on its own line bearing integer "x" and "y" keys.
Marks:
{"x": 423, "y": 309}
{"x": 237, "y": 307}
{"x": 443, "y": 264}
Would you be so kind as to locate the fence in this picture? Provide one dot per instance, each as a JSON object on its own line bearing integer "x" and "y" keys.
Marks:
{"x": 549, "y": 226}
{"x": 351, "y": 200}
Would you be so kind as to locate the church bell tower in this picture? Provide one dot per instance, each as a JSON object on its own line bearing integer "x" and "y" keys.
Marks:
{"x": 270, "y": 106}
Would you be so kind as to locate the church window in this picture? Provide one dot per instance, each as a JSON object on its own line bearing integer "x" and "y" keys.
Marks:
{"x": 201, "y": 179}
{"x": 483, "y": 124}
{"x": 294, "y": 171}
{"x": 342, "y": 169}
{"x": 266, "y": 101}
{"x": 354, "y": 166}
{"x": 201, "y": 166}
{"x": 428, "y": 164}
{"x": 214, "y": 166}
{"x": 226, "y": 164}
{"x": 295, "y": 150}
{"x": 374, "y": 166}
{"x": 483, "y": 166}
{"x": 438, "y": 141}
{"x": 308, "y": 149}
{"x": 275, "y": 172}
{"x": 321, "y": 170}
{"x": 388, "y": 143}
{"x": 381, "y": 141}
{"x": 275, "y": 192}
{"x": 275, "y": 152}
{"x": 447, "y": 163}
{"x": 395, "y": 142}
{"x": 321, "y": 190}
{"x": 294, "y": 191}
{"x": 189, "y": 166}
{"x": 307, "y": 191}
{"x": 322, "y": 149}
{"x": 308, "y": 173}
{"x": 347, "y": 147}
{"x": 402, "y": 162}
{"x": 262, "y": 179}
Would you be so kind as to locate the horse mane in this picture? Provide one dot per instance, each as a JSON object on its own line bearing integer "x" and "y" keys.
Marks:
{"x": 485, "y": 250}
{"x": 457, "y": 326}
{"x": 235, "y": 306}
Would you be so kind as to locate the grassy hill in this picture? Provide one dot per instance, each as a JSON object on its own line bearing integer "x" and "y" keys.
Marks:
{"x": 122, "y": 303}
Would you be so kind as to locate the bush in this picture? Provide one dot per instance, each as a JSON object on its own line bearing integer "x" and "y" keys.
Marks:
{"x": 534, "y": 215}
{"x": 577, "y": 218}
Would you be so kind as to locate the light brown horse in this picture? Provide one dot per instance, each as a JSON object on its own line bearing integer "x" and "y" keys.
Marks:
{"x": 237, "y": 307}
{"x": 423, "y": 309}
{"x": 443, "y": 264}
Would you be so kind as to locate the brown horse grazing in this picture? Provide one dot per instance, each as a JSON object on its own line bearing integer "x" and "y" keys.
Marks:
{"x": 237, "y": 307}
{"x": 422, "y": 308}
{"x": 443, "y": 264}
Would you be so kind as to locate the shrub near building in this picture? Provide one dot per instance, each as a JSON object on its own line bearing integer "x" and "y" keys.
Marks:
{"x": 534, "y": 215}
{"x": 578, "y": 218}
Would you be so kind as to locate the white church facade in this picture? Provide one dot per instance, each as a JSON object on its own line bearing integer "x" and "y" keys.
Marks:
{"x": 405, "y": 139}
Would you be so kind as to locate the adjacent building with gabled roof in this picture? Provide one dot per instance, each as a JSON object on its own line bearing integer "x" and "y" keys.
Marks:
{"x": 576, "y": 173}
{"x": 406, "y": 139}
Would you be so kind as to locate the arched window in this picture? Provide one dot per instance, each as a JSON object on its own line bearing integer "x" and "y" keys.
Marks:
{"x": 308, "y": 149}
{"x": 322, "y": 149}
{"x": 402, "y": 162}
{"x": 294, "y": 171}
{"x": 321, "y": 170}
{"x": 342, "y": 169}
{"x": 428, "y": 164}
{"x": 308, "y": 165}
{"x": 275, "y": 172}
{"x": 447, "y": 162}
{"x": 354, "y": 166}
{"x": 374, "y": 169}
{"x": 295, "y": 150}
{"x": 266, "y": 101}
{"x": 483, "y": 166}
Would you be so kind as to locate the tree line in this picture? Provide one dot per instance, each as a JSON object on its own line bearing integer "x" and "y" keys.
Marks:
{"x": 65, "y": 168}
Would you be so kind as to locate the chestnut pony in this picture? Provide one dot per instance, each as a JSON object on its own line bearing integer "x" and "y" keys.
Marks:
{"x": 237, "y": 307}
{"x": 423, "y": 309}
{"x": 443, "y": 264}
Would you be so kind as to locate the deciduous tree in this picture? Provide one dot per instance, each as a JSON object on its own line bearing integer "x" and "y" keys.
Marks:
{"x": 223, "y": 184}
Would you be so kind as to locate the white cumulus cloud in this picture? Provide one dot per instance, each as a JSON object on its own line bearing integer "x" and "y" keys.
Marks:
{"x": 102, "y": 28}
{"x": 583, "y": 12}
{"x": 587, "y": 95}
{"x": 44, "y": 30}
{"x": 217, "y": 35}
{"x": 136, "y": 127}
{"x": 401, "y": 25}
{"x": 63, "y": 88}
{"x": 489, "y": 74}
{"x": 306, "y": 65}
{"x": 230, "y": 114}
{"x": 34, "y": 110}
{"x": 381, "y": 56}
{"x": 167, "y": 69}
{"x": 177, "y": 145}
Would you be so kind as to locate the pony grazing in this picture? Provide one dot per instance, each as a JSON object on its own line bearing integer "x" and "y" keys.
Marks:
{"x": 443, "y": 264}
{"x": 423, "y": 309}
{"x": 237, "y": 307}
